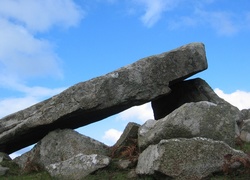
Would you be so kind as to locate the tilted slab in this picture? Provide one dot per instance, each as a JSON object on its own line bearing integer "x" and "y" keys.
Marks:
{"x": 98, "y": 98}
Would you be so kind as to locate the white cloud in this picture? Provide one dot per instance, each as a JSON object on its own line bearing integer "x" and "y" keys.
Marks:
{"x": 139, "y": 114}
{"x": 222, "y": 22}
{"x": 111, "y": 136}
{"x": 197, "y": 13}
{"x": 33, "y": 95}
{"x": 11, "y": 105}
{"x": 22, "y": 54}
{"x": 41, "y": 15}
{"x": 154, "y": 10}
{"x": 34, "y": 91}
{"x": 240, "y": 99}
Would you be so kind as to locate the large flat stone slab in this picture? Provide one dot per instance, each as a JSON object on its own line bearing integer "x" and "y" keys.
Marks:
{"x": 98, "y": 98}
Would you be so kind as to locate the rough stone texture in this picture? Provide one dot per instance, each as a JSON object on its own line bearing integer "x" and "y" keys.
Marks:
{"x": 4, "y": 157}
{"x": 193, "y": 90}
{"x": 132, "y": 174}
{"x": 245, "y": 114}
{"x": 245, "y": 131}
{"x": 147, "y": 126}
{"x": 60, "y": 145}
{"x": 3, "y": 170}
{"x": 98, "y": 98}
{"x": 200, "y": 119}
{"x": 130, "y": 133}
{"x": 124, "y": 164}
{"x": 78, "y": 166}
{"x": 182, "y": 158}
{"x": 128, "y": 138}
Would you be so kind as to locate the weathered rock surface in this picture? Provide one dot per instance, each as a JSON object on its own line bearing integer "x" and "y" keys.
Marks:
{"x": 128, "y": 139}
{"x": 124, "y": 164}
{"x": 3, "y": 170}
{"x": 4, "y": 157}
{"x": 193, "y": 90}
{"x": 78, "y": 166}
{"x": 130, "y": 133}
{"x": 200, "y": 119}
{"x": 195, "y": 158}
{"x": 98, "y": 98}
{"x": 60, "y": 145}
{"x": 245, "y": 114}
{"x": 245, "y": 131}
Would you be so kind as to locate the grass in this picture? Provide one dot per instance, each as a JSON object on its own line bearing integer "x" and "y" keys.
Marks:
{"x": 113, "y": 172}
{"x": 244, "y": 147}
{"x": 33, "y": 176}
{"x": 15, "y": 173}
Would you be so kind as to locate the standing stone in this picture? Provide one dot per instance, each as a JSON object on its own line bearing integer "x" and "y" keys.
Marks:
{"x": 98, "y": 98}
{"x": 60, "y": 145}
{"x": 194, "y": 90}
{"x": 180, "y": 159}
{"x": 128, "y": 139}
{"x": 201, "y": 119}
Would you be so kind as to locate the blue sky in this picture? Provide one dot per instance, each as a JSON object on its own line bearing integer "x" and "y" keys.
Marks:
{"x": 47, "y": 46}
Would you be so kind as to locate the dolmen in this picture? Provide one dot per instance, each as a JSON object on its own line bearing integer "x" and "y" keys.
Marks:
{"x": 93, "y": 100}
{"x": 194, "y": 133}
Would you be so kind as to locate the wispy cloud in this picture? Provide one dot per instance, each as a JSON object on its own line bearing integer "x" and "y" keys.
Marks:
{"x": 181, "y": 13}
{"x": 222, "y": 22}
{"x": 23, "y": 55}
{"x": 240, "y": 99}
{"x": 154, "y": 10}
{"x": 41, "y": 15}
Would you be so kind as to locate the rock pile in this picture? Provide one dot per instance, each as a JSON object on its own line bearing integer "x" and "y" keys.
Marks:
{"x": 192, "y": 136}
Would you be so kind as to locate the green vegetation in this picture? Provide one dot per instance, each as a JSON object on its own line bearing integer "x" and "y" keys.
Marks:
{"x": 32, "y": 176}
{"x": 114, "y": 173}
{"x": 15, "y": 173}
{"x": 244, "y": 147}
